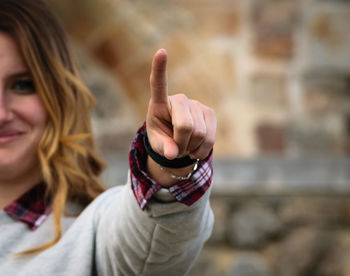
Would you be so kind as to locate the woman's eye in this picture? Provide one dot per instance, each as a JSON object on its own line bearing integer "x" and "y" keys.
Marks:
{"x": 26, "y": 86}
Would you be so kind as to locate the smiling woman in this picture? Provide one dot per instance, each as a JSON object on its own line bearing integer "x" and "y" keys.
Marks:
{"x": 27, "y": 28}
{"x": 22, "y": 120}
{"x": 56, "y": 217}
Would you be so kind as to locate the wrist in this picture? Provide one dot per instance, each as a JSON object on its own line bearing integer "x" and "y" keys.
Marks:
{"x": 181, "y": 174}
{"x": 164, "y": 177}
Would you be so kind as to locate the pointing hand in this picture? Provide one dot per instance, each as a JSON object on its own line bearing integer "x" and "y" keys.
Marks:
{"x": 177, "y": 126}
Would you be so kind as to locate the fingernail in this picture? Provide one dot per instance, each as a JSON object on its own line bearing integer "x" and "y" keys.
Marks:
{"x": 162, "y": 50}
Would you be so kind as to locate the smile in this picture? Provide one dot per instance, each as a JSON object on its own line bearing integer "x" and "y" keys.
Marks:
{"x": 9, "y": 137}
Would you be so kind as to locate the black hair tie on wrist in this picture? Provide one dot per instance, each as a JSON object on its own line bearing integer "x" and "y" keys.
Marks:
{"x": 161, "y": 160}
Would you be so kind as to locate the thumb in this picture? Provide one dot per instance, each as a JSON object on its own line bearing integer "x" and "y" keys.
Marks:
{"x": 170, "y": 148}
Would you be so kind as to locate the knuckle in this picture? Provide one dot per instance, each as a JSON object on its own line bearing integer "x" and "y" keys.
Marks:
{"x": 185, "y": 126}
{"x": 211, "y": 111}
{"x": 201, "y": 154}
{"x": 209, "y": 143}
{"x": 180, "y": 97}
{"x": 199, "y": 133}
{"x": 196, "y": 103}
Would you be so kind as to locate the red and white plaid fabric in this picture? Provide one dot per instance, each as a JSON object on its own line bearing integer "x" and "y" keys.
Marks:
{"x": 187, "y": 191}
{"x": 32, "y": 208}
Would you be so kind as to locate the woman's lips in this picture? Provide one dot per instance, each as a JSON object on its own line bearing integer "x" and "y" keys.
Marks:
{"x": 9, "y": 136}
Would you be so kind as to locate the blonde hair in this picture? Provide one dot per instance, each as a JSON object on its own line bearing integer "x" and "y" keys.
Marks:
{"x": 69, "y": 163}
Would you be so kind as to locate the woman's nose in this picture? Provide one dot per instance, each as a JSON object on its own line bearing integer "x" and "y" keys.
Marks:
{"x": 5, "y": 112}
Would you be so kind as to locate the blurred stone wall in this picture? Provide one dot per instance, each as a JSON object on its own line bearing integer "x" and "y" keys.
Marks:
{"x": 277, "y": 72}
{"x": 278, "y": 235}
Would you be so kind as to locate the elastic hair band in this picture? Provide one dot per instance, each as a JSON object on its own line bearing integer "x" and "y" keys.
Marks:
{"x": 176, "y": 163}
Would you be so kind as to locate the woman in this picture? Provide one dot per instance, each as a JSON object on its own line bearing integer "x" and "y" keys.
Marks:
{"x": 57, "y": 218}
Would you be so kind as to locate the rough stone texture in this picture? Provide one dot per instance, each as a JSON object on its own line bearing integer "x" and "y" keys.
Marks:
{"x": 297, "y": 211}
{"x": 322, "y": 128}
{"x": 252, "y": 226}
{"x": 326, "y": 36}
{"x": 114, "y": 122}
{"x": 222, "y": 210}
{"x": 274, "y": 24}
{"x": 318, "y": 136}
{"x": 249, "y": 264}
{"x": 326, "y": 93}
{"x": 269, "y": 91}
{"x": 315, "y": 240}
{"x": 310, "y": 251}
{"x": 205, "y": 266}
{"x": 271, "y": 138}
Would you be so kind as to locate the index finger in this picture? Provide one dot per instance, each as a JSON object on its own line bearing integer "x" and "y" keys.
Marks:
{"x": 158, "y": 78}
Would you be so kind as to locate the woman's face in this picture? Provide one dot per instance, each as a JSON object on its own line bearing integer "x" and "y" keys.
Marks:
{"x": 22, "y": 116}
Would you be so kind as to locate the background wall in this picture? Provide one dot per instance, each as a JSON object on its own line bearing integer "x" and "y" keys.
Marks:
{"x": 277, "y": 72}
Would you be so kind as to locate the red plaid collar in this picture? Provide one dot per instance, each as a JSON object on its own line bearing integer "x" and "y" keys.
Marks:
{"x": 32, "y": 208}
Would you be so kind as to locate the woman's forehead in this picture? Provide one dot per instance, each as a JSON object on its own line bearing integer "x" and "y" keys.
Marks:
{"x": 10, "y": 57}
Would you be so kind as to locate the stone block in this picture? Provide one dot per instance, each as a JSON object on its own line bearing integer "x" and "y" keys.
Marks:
{"x": 318, "y": 135}
{"x": 206, "y": 16}
{"x": 268, "y": 91}
{"x": 273, "y": 28}
{"x": 326, "y": 92}
{"x": 325, "y": 39}
{"x": 252, "y": 226}
{"x": 221, "y": 210}
{"x": 81, "y": 18}
{"x": 271, "y": 139}
{"x": 321, "y": 211}
{"x": 115, "y": 47}
{"x": 310, "y": 251}
{"x": 249, "y": 264}
{"x": 205, "y": 265}
{"x": 113, "y": 121}
{"x": 225, "y": 145}
{"x": 116, "y": 172}
{"x": 107, "y": 53}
